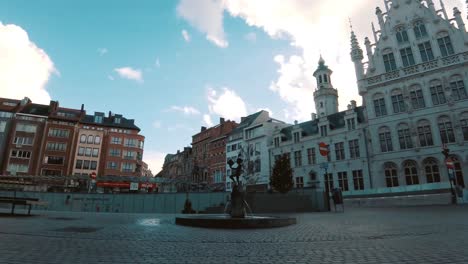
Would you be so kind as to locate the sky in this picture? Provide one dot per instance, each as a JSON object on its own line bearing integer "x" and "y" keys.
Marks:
{"x": 177, "y": 65}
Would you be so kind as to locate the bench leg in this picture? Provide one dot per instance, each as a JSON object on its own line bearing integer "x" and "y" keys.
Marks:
{"x": 13, "y": 209}
{"x": 29, "y": 210}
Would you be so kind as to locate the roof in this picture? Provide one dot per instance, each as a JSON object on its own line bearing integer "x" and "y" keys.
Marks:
{"x": 336, "y": 121}
{"x": 109, "y": 122}
{"x": 36, "y": 109}
{"x": 246, "y": 122}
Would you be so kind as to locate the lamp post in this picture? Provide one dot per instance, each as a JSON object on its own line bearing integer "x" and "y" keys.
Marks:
{"x": 450, "y": 166}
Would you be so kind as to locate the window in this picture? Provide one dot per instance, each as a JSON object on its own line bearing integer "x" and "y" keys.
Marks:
{"x": 389, "y": 62}
{"x": 79, "y": 164}
{"x": 83, "y": 139}
{"x": 257, "y": 148}
{"x": 95, "y": 152}
{"x": 88, "y": 152}
{"x": 398, "y": 102}
{"x": 379, "y": 107}
{"x": 53, "y": 160}
{"x": 407, "y": 57}
{"x": 299, "y": 182}
{"x": 297, "y": 158}
{"x": 417, "y": 99}
{"x": 257, "y": 165}
{"x": 98, "y": 119}
{"x": 437, "y": 93}
{"x": 425, "y": 50}
{"x": 323, "y": 131}
{"x": 81, "y": 151}
{"x": 117, "y": 120}
{"x": 458, "y": 172}
{"x": 97, "y": 140}
{"x": 14, "y": 168}
{"x": 385, "y": 139}
{"x": 130, "y": 142}
{"x": 404, "y": 137}
{"x": 93, "y": 165}
{"x": 277, "y": 141}
{"x": 446, "y": 130}
{"x": 51, "y": 172}
{"x": 86, "y": 165}
{"x": 458, "y": 89}
{"x": 351, "y": 123}
{"x": 445, "y": 46}
{"x": 114, "y": 152}
{"x": 391, "y": 176}
{"x": 419, "y": 30}
{"x": 425, "y": 134}
{"x": 402, "y": 35}
{"x": 90, "y": 139}
{"x": 339, "y": 151}
{"x": 411, "y": 172}
{"x": 23, "y": 140}
{"x": 128, "y": 154}
{"x": 116, "y": 140}
{"x": 112, "y": 165}
{"x": 26, "y": 128}
{"x": 343, "y": 181}
{"x": 128, "y": 167}
{"x": 296, "y": 137}
{"x": 354, "y": 148}
{"x": 20, "y": 154}
{"x": 358, "y": 180}
{"x": 56, "y": 146}
{"x": 311, "y": 158}
{"x": 2, "y": 126}
{"x": 432, "y": 170}
{"x": 328, "y": 182}
{"x": 464, "y": 125}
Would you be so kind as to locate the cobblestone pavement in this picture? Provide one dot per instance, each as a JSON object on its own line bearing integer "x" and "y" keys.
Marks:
{"x": 434, "y": 234}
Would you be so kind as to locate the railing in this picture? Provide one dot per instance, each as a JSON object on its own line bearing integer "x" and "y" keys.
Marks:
{"x": 418, "y": 68}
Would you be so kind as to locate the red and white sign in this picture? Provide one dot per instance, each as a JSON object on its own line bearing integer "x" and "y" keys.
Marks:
{"x": 449, "y": 163}
{"x": 323, "y": 148}
{"x": 93, "y": 175}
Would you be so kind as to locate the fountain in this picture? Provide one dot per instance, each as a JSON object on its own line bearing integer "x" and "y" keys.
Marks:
{"x": 235, "y": 212}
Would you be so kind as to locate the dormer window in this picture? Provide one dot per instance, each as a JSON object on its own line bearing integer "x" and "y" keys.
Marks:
{"x": 117, "y": 120}
{"x": 97, "y": 119}
{"x": 389, "y": 60}
{"x": 445, "y": 44}
{"x": 296, "y": 136}
{"x": 325, "y": 79}
{"x": 419, "y": 30}
{"x": 277, "y": 141}
{"x": 407, "y": 57}
{"x": 402, "y": 35}
{"x": 320, "y": 78}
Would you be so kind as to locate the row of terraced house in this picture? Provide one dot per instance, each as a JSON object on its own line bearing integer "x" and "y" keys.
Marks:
{"x": 50, "y": 140}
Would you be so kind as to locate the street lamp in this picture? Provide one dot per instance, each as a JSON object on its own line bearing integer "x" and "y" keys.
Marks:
{"x": 451, "y": 174}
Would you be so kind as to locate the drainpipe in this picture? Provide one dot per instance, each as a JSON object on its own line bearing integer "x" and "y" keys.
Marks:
{"x": 368, "y": 158}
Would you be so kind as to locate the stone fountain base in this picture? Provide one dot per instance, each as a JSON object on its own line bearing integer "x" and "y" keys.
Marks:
{"x": 228, "y": 222}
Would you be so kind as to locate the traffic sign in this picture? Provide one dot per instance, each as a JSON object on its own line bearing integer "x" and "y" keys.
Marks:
{"x": 449, "y": 163}
{"x": 93, "y": 175}
{"x": 451, "y": 174}
{"x": 323, "y": 148}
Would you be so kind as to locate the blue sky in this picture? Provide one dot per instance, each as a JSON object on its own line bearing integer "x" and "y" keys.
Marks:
{"x": 177, "y": 65}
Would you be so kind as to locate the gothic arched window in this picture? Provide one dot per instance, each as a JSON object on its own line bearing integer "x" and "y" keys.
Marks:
{"x": 437, "y": 92}
{"x": 411, "y": 172}
{"x": 425, "y": 133}
{"x": 398, "y": 102}
{"x": 389, "y": 60}
{"x": 391, "y": 175}
{"x": 431, "y": 169}
{"x": 385, "y": 139}
{"x": 404, "y": 136}
{"x": 417, "y": 97}
{"x": 446, "y": 130}
{"x": 464, "y": 125}
{"x": 445, "y": 44}
{"x": 457, "y": 86}
{"x": 379, "y": 105}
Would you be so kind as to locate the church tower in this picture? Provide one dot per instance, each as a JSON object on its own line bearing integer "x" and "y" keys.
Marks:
{"x": 325, "y": 97}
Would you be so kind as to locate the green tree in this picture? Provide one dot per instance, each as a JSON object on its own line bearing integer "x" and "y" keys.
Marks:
{"x": 281, "y": 178}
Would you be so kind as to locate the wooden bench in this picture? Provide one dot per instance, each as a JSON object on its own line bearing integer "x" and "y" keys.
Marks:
{"x": 21, "y": 201}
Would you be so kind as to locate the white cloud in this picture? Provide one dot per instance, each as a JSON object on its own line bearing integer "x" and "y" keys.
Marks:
{"x": 155, "y": 160}
{"x": 130, "y": 73}
{"x": 207, "y": 120}
{"x": 157, "y": 124}
{"x": 187, "y": 110}
{"x": 207, "y": 17}
{"x": 251, "y": 37}
{"x": 102, "y": 51}
{"x": 226, "y": 104}
{"x": 157, "y": 64}
{"x": 185, "y": 35}
{"x": 265, "y": 109}
{"x": 25, "y": 68}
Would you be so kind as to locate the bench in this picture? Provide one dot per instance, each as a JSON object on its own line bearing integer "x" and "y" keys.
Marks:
{"x": 21, "y": 201}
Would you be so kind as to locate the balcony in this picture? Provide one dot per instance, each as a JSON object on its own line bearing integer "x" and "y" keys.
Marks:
{"x": 418, "y": 68}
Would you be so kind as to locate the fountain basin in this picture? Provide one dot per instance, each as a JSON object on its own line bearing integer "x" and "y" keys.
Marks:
{"x": 227, "y": 222}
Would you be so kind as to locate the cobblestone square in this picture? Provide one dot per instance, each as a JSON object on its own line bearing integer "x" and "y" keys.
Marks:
{"x": 432, "y": 234}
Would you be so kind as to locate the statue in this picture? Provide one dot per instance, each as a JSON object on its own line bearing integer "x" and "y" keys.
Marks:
{"x": 238, "y": 204}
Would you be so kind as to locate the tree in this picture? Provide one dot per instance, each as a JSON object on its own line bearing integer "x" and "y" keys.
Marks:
{"x": 282, "y": 176}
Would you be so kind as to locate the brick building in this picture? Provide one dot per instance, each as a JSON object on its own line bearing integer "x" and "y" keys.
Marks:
{"x": 209, "y": 154}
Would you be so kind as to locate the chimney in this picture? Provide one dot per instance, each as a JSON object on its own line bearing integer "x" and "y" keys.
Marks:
{"x": 221, "y": 120}
{"x": 314, "y": 116}
{"x": 295, "y": 122}
{"x": 53, "y": 105}
{"x": 82, "y": 107}
{"x": 202, "y": 129}
{"x": 25, "y": 101}
{"x": 110, "y": 114}
{"x": 353, "y": 104}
